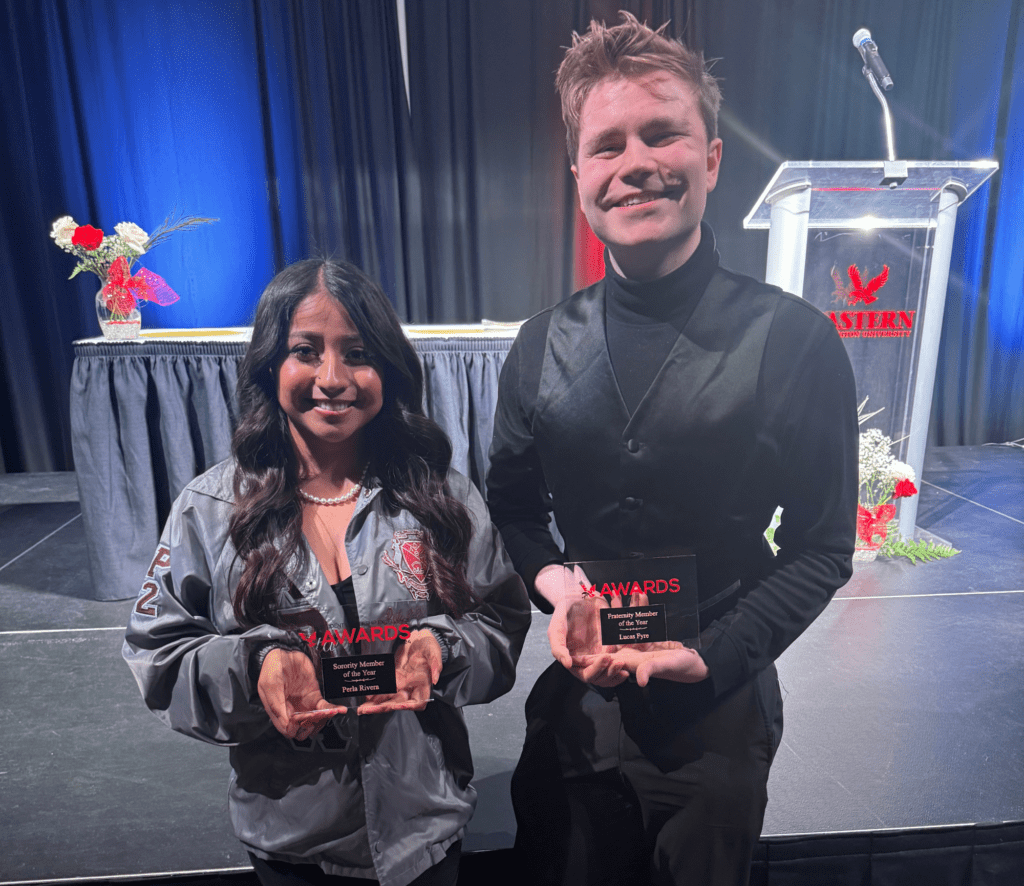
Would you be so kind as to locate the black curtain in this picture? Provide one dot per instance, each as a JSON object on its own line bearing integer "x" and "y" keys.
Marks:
{"x": 490, "y": 147}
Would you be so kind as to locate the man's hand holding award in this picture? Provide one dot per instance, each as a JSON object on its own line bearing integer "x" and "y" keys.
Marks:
{"x": 608, "y": 629}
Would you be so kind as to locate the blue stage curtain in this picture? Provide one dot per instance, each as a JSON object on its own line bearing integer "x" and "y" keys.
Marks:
{"x": 287, "y": 119}
{"x": 169, "y": 119}
{"x": 40, "y": 312}
{"x": 278, "y": 119}
{"x": 979, "y": 389}
{"x": 337, "y": 138}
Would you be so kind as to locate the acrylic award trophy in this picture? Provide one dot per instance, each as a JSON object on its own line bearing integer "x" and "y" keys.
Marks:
{"x": 631, "y": 602}
{"x": 359, "y": 661}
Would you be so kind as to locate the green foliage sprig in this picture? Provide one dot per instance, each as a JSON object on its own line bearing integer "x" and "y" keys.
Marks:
{"x": 921, "y": 549}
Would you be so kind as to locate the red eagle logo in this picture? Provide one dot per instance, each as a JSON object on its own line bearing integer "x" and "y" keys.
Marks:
{"x": 856, "y": 291}
{"x": 405, "y": 556}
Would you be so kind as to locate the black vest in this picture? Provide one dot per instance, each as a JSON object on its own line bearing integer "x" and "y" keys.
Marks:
{"x": 691, "y": 469}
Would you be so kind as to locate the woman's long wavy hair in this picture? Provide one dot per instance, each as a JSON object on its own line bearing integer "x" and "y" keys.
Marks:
{"x": 409, "y": 454}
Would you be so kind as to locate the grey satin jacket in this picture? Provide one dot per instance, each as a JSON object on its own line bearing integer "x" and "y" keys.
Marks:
{"x": 381, "y": 796}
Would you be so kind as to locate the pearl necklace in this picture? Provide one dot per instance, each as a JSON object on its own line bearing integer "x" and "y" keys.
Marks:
{"x": 337, "y": 500}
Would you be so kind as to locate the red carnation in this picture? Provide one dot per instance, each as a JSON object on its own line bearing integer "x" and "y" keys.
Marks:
{"x": 87, "y": 237}
{"x": 904, "y": 489}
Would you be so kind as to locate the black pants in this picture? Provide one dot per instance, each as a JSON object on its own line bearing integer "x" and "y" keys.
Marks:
{"x": 692, "y": 822}
{"x": 279, "y": 873}
{"x": 584, "y": 831}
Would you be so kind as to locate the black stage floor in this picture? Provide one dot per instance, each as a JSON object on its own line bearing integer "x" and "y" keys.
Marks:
{"x": 904, "y": 715}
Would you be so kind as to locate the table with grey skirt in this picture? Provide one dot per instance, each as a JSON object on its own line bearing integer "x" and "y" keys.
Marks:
{"x": 150, "y": 414}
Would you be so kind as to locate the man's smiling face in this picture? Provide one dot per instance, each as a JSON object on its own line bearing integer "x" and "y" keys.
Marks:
{"x": 644, "y": 170}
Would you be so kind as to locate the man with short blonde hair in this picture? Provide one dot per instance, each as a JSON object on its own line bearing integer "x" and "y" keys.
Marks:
{"x": 669, "y": 408}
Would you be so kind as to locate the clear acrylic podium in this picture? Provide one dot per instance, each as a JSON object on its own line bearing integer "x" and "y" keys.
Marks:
{"x": 874, "y": 257}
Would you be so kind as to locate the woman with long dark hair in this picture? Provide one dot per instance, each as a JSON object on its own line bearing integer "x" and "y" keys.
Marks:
{"x": 335, "y": 554}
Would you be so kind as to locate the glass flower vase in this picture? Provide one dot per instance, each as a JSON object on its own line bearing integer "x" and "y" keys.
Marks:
{"x": 865, "y": 550}
{"x": 117, "y": 320}
{"x": 864, "y": 553}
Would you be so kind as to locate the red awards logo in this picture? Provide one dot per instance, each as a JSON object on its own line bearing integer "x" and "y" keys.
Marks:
{"x": 866, "y": 323}
{"x": 628, "y": 588}
{"x": 347, "y": 636}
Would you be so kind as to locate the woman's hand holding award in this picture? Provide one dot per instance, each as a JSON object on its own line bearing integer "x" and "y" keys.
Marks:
{"x": 417, "y": 669}
{"x": 290, "y": 692}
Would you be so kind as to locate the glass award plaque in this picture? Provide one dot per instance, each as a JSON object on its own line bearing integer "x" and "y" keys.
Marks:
{"x": 630, "y": 602}
{"x": 359, "y": 660}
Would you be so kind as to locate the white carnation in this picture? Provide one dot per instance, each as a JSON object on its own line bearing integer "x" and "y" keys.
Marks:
{"x": 63, "y": 230}
{"x": 902, "y": 471}
{"x": 133, "y": 236}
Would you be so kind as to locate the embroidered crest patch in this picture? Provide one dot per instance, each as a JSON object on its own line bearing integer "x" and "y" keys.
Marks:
{"x": 405, "y": 556}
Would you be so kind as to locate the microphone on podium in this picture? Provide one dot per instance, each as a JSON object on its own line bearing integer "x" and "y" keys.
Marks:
{"x": 872, "y": 60}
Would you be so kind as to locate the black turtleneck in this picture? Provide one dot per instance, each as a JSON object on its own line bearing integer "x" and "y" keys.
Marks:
{"x": 643, "y": 319}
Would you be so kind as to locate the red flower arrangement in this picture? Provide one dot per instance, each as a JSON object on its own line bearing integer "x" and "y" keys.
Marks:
{"x": 883, "y": 479}
{"x": 110, "y": 257}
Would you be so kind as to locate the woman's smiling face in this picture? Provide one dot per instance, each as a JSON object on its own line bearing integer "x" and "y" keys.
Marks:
{"x": 327, "y": 384}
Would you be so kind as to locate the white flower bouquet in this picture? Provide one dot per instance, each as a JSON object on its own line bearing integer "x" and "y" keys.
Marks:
{"x": 883, "y": 480}
{"x": 112, "y": 256}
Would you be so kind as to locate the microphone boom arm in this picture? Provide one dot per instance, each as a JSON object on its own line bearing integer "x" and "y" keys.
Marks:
{"x": 890, "y": 139}
{"x": 894, "y": 172}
